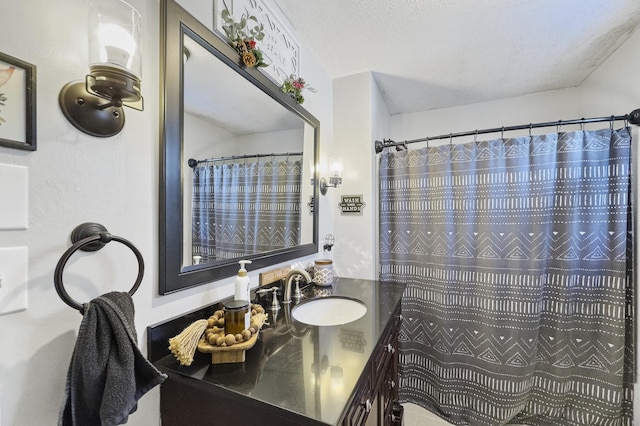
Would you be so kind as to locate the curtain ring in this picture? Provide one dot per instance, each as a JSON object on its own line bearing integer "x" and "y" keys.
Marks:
{"x": 427, "y": 143}
{"x": 559, "y": 125}
{"x": 582, "y": 124}
{"x": 475, "y": 137}
{"x": 530, "y": 127}
{"x": 502, "y": 133}
{"x": 450, "y": 139}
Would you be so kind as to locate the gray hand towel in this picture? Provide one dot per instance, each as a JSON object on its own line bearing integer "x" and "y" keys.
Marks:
{"x": 108, "y": 374}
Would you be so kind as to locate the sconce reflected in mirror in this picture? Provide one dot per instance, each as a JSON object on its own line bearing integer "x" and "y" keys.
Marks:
{"x": 335, "y": 175}
{"x": 312, "y": 171}
{"x": 94, "y": 105}
{"x": 318, "y": 370}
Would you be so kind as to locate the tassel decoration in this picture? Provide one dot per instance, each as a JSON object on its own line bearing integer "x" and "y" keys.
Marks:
{"x": 184, "y": 345}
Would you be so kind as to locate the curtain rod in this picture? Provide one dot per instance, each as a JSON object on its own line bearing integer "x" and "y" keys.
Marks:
{"x": 633, "y": 118}
{"x": 193, "y": 162}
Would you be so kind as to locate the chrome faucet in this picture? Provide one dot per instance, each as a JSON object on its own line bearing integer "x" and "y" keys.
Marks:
{"x": 286, "y": 297}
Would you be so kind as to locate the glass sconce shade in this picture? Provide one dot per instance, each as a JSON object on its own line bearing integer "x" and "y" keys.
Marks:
{"x": 115, "y": 62}
{"x": 115, "y": 70}
{"x": 335, "y": 175}
{"x": 335, "y": 167}
{"x": 114, "y": 36}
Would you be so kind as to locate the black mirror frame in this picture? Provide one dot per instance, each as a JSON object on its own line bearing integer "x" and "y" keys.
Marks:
{"x": 173, "y": 277}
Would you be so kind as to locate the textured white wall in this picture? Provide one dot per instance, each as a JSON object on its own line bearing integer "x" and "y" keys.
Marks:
{"x": 360, "y": 116}
{"x": 75, "y": 178}
{"x": 352, "y": 113}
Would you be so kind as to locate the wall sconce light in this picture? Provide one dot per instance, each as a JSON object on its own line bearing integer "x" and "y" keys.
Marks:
{"x": 94, "y": 105}
{"x": 335, "y": 178}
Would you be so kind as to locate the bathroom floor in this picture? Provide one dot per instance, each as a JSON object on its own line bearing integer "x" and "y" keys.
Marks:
{"x": 414, "y": 415}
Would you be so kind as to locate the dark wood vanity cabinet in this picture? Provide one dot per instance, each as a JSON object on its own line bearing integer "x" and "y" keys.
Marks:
{"x": 376, "y": 394}
{"x": 372, "y": 403}
{"x": 278, "y": 382}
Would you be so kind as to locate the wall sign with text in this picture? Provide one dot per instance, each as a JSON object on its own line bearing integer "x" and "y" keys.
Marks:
{"x": 351, "y": 204}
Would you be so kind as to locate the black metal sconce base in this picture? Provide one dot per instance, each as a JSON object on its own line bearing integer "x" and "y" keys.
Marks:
{"x": 86, "y": 112}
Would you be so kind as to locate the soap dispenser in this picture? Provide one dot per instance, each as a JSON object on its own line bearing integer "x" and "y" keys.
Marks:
{"x": 242, "y": 283}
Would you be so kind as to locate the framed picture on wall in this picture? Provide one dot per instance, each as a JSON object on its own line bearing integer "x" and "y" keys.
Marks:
{"x": 17, "y": 103}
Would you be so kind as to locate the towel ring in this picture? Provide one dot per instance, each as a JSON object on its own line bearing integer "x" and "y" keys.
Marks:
{"x": 91, "y": 237}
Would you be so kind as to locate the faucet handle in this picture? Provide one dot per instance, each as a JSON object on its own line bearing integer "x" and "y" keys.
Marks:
{"x": 274, "y": 299}
{"x": 275, "y": 305}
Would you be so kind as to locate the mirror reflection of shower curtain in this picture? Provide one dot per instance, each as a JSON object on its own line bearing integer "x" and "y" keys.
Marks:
{"x": 517, "y": 258}
{"x": 240, "y": 209}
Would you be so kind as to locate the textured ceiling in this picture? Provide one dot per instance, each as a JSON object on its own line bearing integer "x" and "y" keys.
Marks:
{"x": 428, "y": 54}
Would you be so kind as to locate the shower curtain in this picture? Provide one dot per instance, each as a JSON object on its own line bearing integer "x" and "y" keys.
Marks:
{"x": 517, "y": 258}
{"x": 242, "y": 208}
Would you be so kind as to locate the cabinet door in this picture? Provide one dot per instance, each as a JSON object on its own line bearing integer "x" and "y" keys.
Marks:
{"x": 373, "y": 419}
{"x": 377, "y": 390}
{"x": 388, "y": 390}
{"x": 384, "y": 348}
{"x": 362, "y": 404}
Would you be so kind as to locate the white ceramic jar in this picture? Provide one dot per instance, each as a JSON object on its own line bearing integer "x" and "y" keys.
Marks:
{"x": 323, "y": 272}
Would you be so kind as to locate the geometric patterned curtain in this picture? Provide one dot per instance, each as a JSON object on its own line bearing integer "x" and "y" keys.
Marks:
{"x": 517, "y": 258}
{"x": 242, "y": 208}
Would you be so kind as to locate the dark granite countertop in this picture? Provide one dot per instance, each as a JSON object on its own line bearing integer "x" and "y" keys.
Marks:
{"x": 308, "y": 370}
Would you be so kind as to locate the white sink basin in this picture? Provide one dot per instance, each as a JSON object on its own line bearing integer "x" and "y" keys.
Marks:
{"x": 332, "y": 310}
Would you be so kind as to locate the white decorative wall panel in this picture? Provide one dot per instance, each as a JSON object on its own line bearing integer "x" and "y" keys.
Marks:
{"x": 281, "y": 50}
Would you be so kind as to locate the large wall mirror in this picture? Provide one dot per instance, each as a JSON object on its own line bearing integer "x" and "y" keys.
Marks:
{"x": 237, "y": 161}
